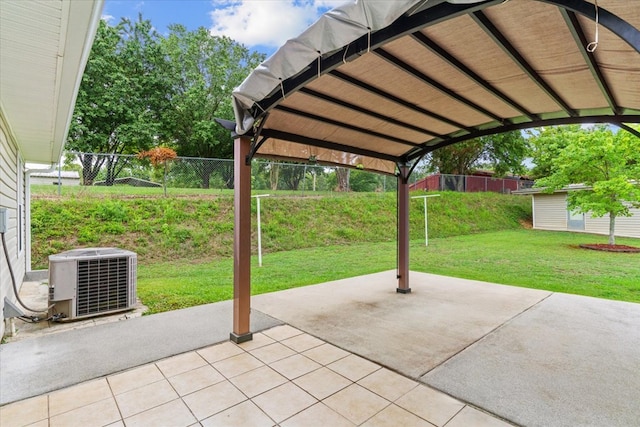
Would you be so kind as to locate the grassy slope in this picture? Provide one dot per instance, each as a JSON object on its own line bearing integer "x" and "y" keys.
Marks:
{"x": 199, "y": 228}
{"x": 184, "y": 242}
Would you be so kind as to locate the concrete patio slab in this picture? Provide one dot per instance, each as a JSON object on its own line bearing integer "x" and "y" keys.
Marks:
{"x": 528, "y": 356}
{"x": 410, "y": 333}
{"x": 568, "y": 361}
{"x": 42, "y": 364}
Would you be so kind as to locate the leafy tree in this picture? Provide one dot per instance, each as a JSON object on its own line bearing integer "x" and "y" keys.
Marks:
{"x": 205, "y": 70}
{"x": 364, "y": 181}
{"x": 608, "y": 163}
{"x": 122, "y": 92}
{"x": 546, "y": 144}
{"x": 292, "y": 174}
{"x": 503, "y": 153}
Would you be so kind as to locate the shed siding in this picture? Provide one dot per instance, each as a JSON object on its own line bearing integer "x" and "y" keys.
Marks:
{"x": 550, "y": 211}
{"x": 10, "y": 199}
{"x": 50, "y": 181}
{"x": 625, "y": 226}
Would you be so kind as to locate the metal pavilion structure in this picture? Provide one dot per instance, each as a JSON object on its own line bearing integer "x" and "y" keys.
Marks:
{"x": 379, "y": 85}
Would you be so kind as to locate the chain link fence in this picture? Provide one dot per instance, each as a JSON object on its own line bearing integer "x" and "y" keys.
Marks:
{"x": 96, "y": 169}
{"x": 470, "y": 183}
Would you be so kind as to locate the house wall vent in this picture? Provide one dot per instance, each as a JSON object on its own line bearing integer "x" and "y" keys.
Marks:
{"x": 93, "y": 281}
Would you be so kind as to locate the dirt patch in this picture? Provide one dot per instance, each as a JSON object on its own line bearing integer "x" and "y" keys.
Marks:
{"x": 526, "y": 223}
{"x": 610, "y": 248}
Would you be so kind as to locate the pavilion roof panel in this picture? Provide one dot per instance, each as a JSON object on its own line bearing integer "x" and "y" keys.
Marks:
{"x": 490, "y": 62}
{"x": 290, "y": 123}
{"x": 310, "y": 104}
{"x": 441, "y": 72}
{"x": 556, "y": 57}
{"x": 375, "y": 71}
{"x": 412, "y": 52}
{"x": 340, "y": 89}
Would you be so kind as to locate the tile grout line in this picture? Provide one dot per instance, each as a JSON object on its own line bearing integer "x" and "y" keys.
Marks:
{"x": 180, "y": 398}
{"x": 291, "y": 381}
{"x": 113, "y": 395}
{"x": 454, "y": 415}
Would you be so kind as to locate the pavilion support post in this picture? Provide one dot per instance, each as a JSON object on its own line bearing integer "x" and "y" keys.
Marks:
{"x": 241, "y": 242}
{"x": 403, "y": 231}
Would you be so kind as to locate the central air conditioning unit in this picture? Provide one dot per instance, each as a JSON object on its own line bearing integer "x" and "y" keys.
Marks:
{"x": 91, "y": 282}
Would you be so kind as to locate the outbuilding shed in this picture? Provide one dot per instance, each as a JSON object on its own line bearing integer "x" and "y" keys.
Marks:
{"x": 65, "y": 178}
{"x": 550, "y": 212}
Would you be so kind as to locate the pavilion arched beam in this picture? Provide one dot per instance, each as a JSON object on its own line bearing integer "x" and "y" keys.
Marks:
{"x": 414, "y": 156}
{"x": 615, "y": 24}
{"x": 619, "y": 121}
{"x": 391, "y": 97}
{"x": 629, "y": 129}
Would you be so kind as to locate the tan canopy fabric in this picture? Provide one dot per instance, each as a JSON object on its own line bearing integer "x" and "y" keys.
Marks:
{"x": 377, "y": 84}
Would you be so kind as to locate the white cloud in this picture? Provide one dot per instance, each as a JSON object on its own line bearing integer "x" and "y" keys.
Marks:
{"x": 266, "y": 22}
{"x": 107, "y": 18}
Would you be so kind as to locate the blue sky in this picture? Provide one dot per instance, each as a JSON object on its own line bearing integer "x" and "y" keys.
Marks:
{"x": 261, "y": 25}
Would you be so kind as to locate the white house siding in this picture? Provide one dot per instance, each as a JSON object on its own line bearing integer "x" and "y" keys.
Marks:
{"x": 550, "y": 211}
{"x": 625, "y": 226}
{"x": 11, "y": 197}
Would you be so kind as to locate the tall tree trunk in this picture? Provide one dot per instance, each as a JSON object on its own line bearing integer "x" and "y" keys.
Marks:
{"x": 343, "y": 178}
{"x": 206, "y": 180}
{"x": 203, "y": 170}
{"x": 164, "y": 179}
{"x": 87, "y": 171}
{"x": 274, "y": 176}
{"x": 612, "y": 228}
{"x": 112, "y": 161}
{"x": 227, "y": 175}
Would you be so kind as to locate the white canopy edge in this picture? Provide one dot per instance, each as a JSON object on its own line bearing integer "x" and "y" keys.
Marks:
{"x": 332, "y": 31}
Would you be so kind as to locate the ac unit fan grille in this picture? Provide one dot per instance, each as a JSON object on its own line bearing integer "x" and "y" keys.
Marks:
{"x": 102, "y": 285}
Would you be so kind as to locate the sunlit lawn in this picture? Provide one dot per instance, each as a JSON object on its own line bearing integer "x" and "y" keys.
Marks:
{"x": 527, "y": 258}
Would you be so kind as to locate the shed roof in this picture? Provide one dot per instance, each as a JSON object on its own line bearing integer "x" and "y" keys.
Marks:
{"x": 377, "y": 84}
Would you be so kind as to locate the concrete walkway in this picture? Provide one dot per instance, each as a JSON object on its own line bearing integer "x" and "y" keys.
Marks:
{"x": 35, "y": 366}
{"x": 531, "y": 357}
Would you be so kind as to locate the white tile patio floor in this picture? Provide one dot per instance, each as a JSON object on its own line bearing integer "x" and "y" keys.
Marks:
{"x": 283, "y": 377}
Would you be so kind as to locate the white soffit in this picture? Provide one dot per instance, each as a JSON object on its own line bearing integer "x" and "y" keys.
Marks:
{"x": 44, "y": 46}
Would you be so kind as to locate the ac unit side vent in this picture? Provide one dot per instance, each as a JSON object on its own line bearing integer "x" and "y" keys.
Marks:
{"x": 103, "y": 285}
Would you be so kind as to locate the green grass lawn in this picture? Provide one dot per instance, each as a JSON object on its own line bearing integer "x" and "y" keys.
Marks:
{"x": 527, "y": 258}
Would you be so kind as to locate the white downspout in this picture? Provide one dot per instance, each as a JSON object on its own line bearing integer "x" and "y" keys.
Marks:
{"x": 27, "y": 209}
